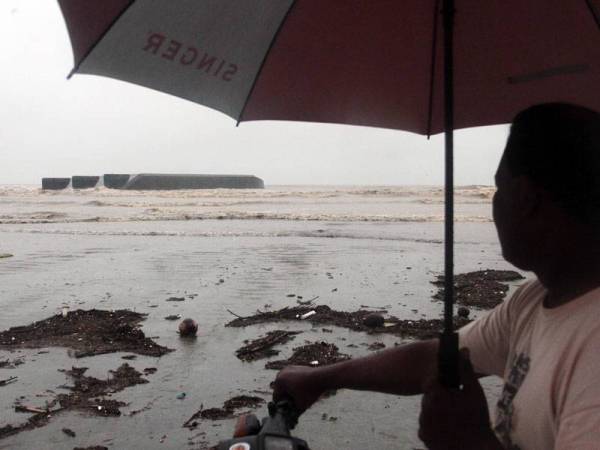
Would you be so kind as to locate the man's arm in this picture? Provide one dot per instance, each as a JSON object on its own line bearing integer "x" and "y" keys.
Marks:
{"x": 448, "y": 416}
{"x": 402, "y": 370}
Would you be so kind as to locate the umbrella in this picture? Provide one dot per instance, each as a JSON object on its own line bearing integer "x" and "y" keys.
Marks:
{"x": 384, "y": 63}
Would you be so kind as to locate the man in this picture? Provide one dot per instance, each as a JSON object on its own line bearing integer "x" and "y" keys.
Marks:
{"x": 544, "y": 341}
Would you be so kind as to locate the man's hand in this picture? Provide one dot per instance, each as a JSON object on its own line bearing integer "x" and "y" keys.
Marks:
{"x": 301, "y": 384}
{"x": 456, "y": 418}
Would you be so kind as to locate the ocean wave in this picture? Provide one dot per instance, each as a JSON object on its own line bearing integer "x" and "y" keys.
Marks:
{"x": 482, "y": 192}
{"x": 420, "y": 204}
{"x": 479, "y": 191}
{"x": 156, "y": 214}
{"x": 19, "y": 190}
{"x": 33, "y": 217}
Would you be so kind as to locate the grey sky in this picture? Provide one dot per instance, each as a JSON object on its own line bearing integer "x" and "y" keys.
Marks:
{"x": 93, "y": 125}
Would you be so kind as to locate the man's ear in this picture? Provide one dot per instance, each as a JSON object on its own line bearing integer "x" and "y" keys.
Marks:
{"x": 528, "y": 194}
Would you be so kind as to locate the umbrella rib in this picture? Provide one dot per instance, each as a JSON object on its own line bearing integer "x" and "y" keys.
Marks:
{"x": 262, "y": 64}
{"x": 594, "y": 11}
{"x": 432, "y": 68}
{"x": 92, "y": 48}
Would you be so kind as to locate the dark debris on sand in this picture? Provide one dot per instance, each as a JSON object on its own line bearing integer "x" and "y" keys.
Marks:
{"x": 263, "y": 347}
{"x": 8, "y": 364}
{"x": 228, "y": 410}
{"x": 88, "y": 333}
{"x": 313, "y": 354}
{"x": 36, "y": 421}
{"x": 324, "y": 315}
{"x": 69, "y": 432}
{"x": 93, "y": 447}
{"x": 87, "y": 394}
{"x": 86, "y": 390}
{"x": 482, "y": 289}
{"x": 376, "y": 346}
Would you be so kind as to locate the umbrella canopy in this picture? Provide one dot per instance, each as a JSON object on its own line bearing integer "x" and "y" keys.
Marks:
{"x": 377, "y": 63}
{"x": 362, "y": 62}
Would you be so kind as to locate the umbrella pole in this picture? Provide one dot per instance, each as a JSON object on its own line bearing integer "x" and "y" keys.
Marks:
{"x": 448, "y": 351}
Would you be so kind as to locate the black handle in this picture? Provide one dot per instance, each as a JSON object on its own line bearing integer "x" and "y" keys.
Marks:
{"x": 286, "y": 409}
{"x": 448, "y": 360}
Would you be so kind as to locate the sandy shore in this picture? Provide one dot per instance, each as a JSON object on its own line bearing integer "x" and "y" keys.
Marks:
{"x": 100, "y": 268}
{"x": 348, "y": 246}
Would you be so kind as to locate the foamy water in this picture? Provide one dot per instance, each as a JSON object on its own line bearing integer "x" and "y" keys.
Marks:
{"x": 31, "y": 205}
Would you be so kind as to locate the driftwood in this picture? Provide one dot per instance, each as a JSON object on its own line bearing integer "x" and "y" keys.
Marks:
{"x": 30, "y": 409}
{"x": 262, "y": 347}
{"x": 234, "y": 314}
{"x": 8, "y": 381}
{"x": 307, "y": 302}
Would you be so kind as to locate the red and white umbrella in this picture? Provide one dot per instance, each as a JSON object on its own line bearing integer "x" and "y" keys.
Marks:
{"x": 360, "y": 62}
{"x": 381, "y": 63}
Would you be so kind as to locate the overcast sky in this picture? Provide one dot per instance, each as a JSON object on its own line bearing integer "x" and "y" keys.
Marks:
{"x": 91, "y": 125}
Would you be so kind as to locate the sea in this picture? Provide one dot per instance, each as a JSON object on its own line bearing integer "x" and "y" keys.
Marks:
{"x": 229, "y": 252}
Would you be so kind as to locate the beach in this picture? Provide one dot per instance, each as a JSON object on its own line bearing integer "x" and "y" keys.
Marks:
{"x": 225, "y": 253}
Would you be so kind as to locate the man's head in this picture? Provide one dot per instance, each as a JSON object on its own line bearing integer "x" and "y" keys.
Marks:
{"x": 550, "y": 171}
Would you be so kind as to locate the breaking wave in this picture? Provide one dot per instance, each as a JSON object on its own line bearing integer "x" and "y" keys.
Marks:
{"x": 472, "y": 191}
{"x": 31, "y": 205}
{"x": 159, "y": 216}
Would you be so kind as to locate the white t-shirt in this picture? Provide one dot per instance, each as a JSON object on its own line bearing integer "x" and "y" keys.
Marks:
{"x": 550, "y": 362}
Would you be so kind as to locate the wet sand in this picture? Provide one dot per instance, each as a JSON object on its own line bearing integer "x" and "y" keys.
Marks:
{"x": 219, "y": 265}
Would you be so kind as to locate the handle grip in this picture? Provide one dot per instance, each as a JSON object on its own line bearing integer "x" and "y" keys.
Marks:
{"x": 448, "y": 360}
